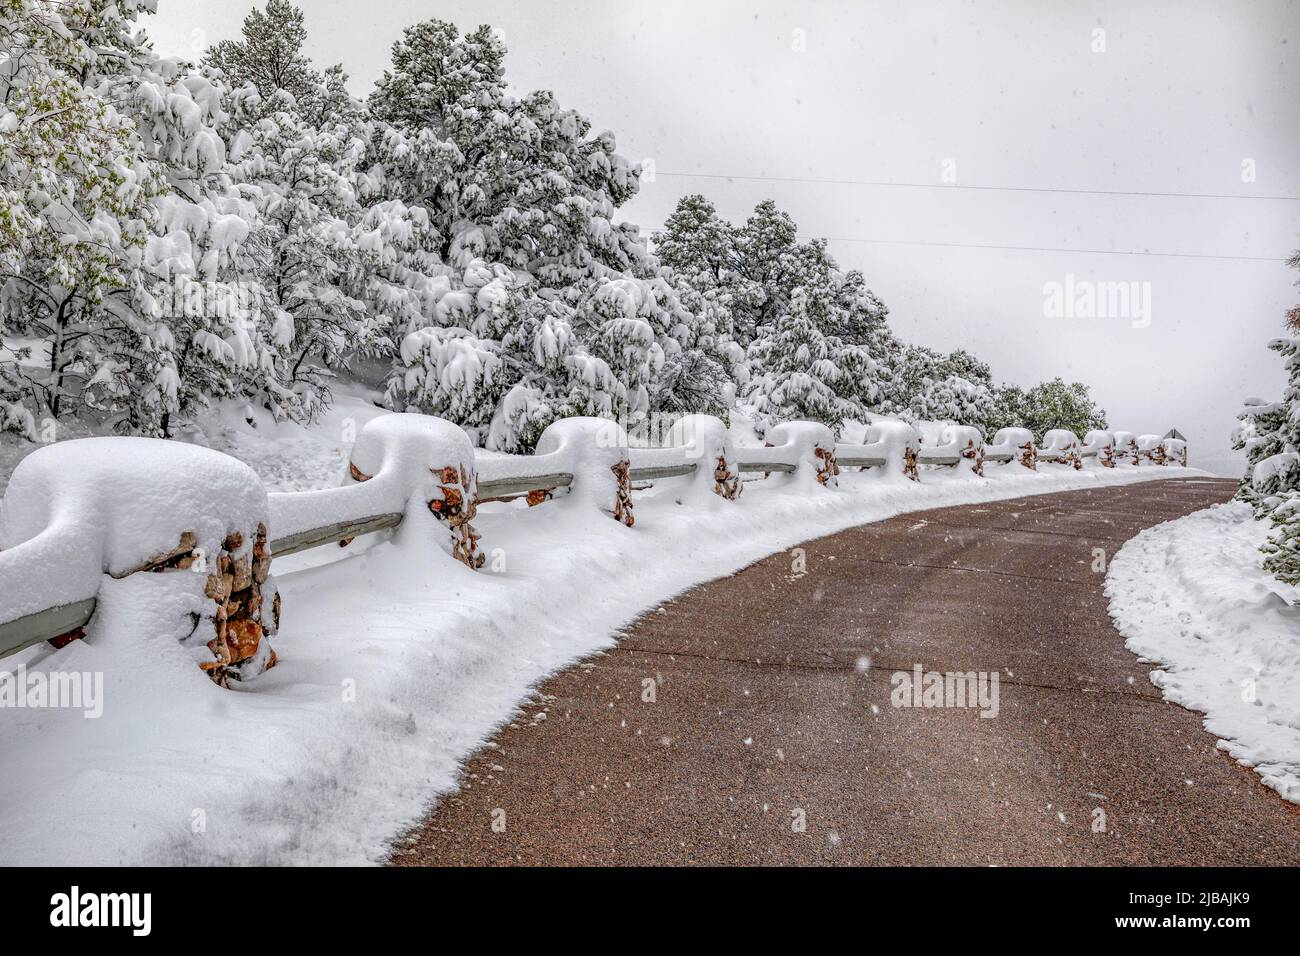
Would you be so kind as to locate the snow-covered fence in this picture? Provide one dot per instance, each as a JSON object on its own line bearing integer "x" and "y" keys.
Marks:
{"x": 1126, "y": 447}
{"x": 158, "y": 536}
{"x": 801, "y": 452}
{"x": 1099, "y": 444}
{"x": 888, "y": 444}
{"x": 1010, "y": 444}
{"x": 397, "y": 462}
{"x": 118, "y": 518}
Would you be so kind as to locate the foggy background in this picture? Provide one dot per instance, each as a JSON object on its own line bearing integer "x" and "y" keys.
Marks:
{"x": 849, "y": 114}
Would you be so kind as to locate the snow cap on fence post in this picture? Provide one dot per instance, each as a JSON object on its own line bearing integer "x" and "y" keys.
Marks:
{"x": 969, "y": 447}
{"x": 1061, "y": 444}
{"x": 811, "y": 446}
{"x": 1175, "y": 451}
{"x": 1018, "y": 443}
{"x": 897, "y": 442}
{"x": 171, "y": 538}
{"x": 707, "y": 443}
{"x": 595, "y": 451}
{"x": 407, "y": 459}
{"x": 1152, "y": 448}
{"x": 1100, "y": 443}
{"x": 1126, "y": 446}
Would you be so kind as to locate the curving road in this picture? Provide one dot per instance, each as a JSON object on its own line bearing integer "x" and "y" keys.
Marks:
{"x": 772, "y": 709}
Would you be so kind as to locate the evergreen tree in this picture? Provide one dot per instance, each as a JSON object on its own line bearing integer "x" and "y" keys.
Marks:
{"x": 749, "y": 277}
{"x": 270, "y": 56}
{"x": 798, "y": 372}
{"x": 964, "y": 365}
{"x": 76, "y": 188}
{"x": 1056, "y": 404}
{"x": 304, "y": 255}
{"x": 1259, "y": 435}
{"x": 698, "y": 246}
{"x": 1275, "y": 455}
{"x": 582, "y": 315}
{"x": 951, "y": 399}
{"x": 1009, "y": 408}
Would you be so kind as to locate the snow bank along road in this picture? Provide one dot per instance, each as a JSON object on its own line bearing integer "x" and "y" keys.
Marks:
{"x": 750, "y": 720}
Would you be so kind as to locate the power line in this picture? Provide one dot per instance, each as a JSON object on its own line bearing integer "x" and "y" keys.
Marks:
{"x": 1098, "y": 252}
{"x": 1009, "y": 189}
{"x": 979, "y": 245}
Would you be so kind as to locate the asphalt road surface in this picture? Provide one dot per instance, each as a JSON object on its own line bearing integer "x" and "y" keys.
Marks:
{"x": 750, "y": 720}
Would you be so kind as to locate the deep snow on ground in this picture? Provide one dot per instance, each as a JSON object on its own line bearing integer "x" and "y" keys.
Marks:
{"x": 1191, "y": 595}
{"x": 396, "y": 661}
{"x": 286, "y": 456}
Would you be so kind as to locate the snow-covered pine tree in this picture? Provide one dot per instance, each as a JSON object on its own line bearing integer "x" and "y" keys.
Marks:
{"x": 751, "y": 272}
{"x": 270, "y": 56}
{"x": 865, "y": 348}
{"x": 583, "y": 316}
{"x": 1058, "y": 404}
{"x": 297, "y": 140}
{"x": 131, "y": 321}
{"x": 951, "y": 399}
{"x": 1008, "y": 409}
{"x": 956, "y": 387}
{"x": 503, "y": 178}
{"x": 206, "y": 312}
{"x": 965, "y": 365}
{"x": 303, "y": 187}
{"x": 1259, "y": 435}
{"x": 698, "y": 246}
{"x": 914, "y": 367}
{"x": 1276, "y": 476}
{"x": 766, "y": 270}
{"x": 797, "y": 363}
{"x": 711, "y": 366}
{"x": 704, "y": 367}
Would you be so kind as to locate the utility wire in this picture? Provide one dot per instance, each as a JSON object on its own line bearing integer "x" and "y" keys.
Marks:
{"x": 1010, "y": 189}
{"x": 979, "y": 245}
{"x": 1099, "y": 252}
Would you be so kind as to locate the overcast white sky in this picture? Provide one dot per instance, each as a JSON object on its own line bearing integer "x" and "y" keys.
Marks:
{"x": 1013, "y": 93}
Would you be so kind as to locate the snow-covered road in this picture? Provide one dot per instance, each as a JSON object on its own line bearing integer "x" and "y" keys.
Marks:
{"x": 775, "y": 734}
